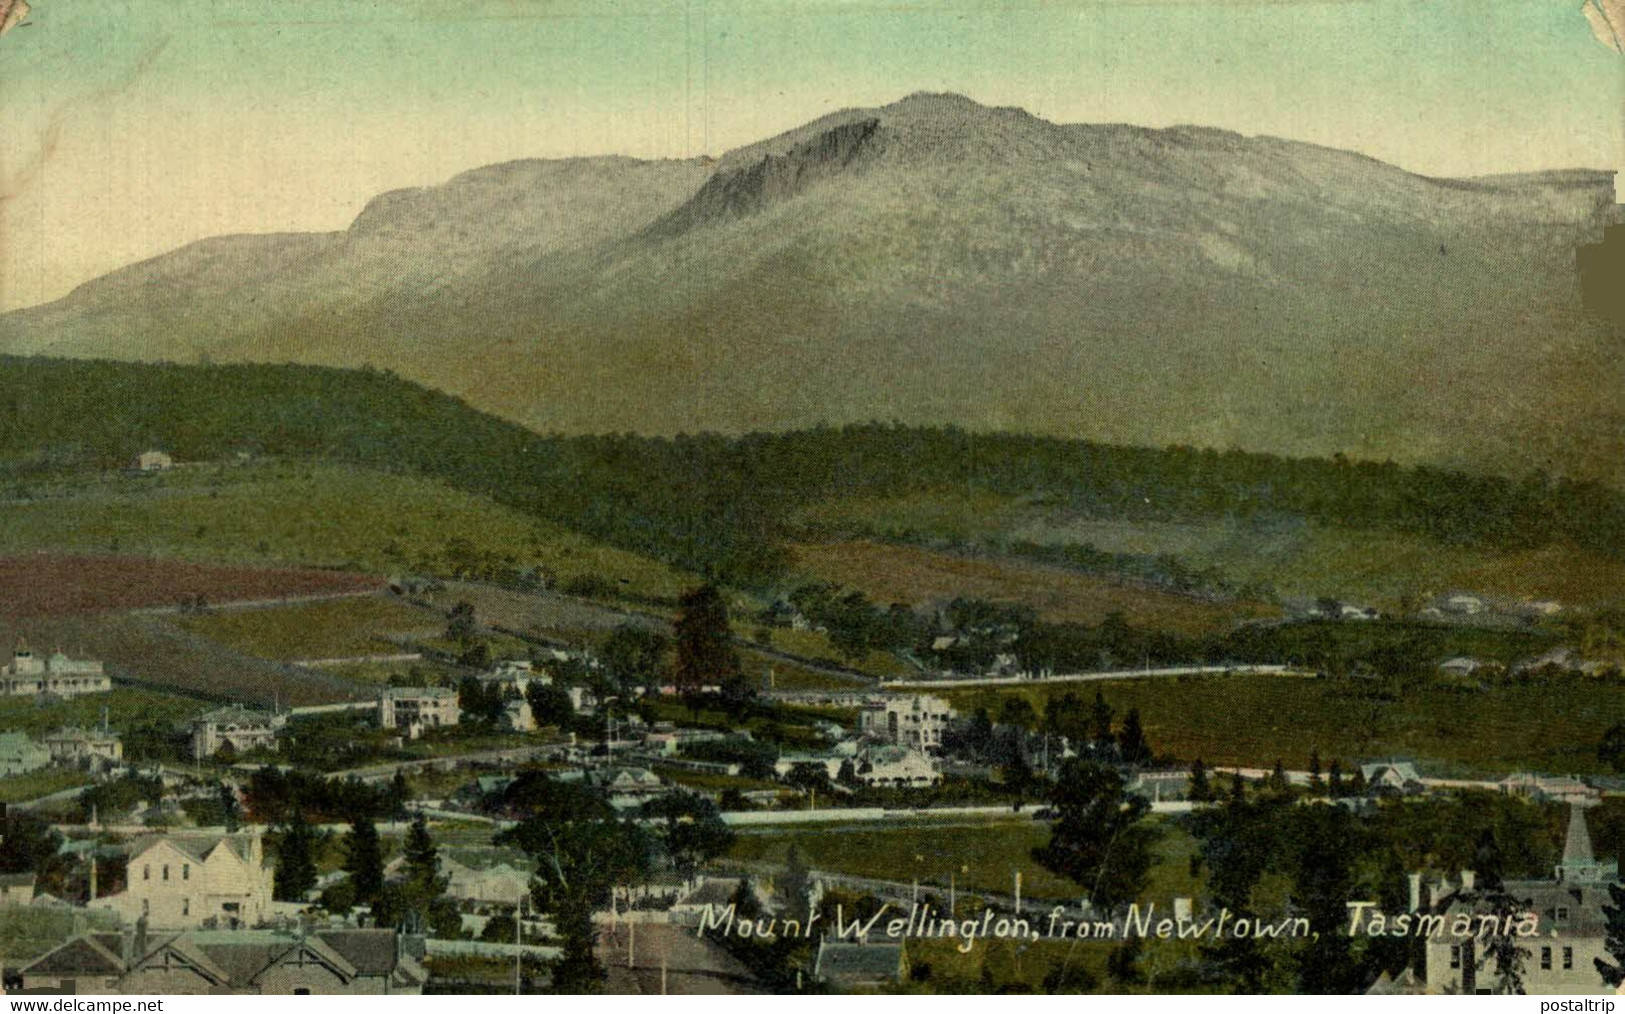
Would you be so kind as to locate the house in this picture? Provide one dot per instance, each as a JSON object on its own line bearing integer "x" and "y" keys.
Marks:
{"x": 516, "y": 673}
{"x": 916, "y": 721}
{"x": 1406, "y": 983}
{"x": 20, "y": 755}
{"x": 1460, "y": 666}
{"x": 830, "y": 764}
{"x": 1568, "y": 911}
{"x": 27, "y": 674}
{"x": 1358, "y": 613}
{"x": 1464, "y": 605}
{"x": 898, "y": 767}
{"x": 152, "y": 461}
{"x": 86, "y": 748}
{"x": 1392, "y": 777}
{"x": 516, "y": 716}
{"x": 1544, "y": 788}
{"x": 242, "y": 729}
{"x": 859, "y": 965}
{"x": 713, "y": 894}
{"x": 418, "y": 708}
{"x": 16, "y": 889}
{"x": 361, "y": 962}
{"x": 184, "y": 881}
{"x": 480, "y": 878}
{"x": 1158, "y": 786}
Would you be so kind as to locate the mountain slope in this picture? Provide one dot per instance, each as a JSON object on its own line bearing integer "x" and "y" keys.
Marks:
{"x": 939, "y": 261}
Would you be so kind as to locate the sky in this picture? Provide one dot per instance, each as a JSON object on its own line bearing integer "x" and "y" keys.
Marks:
{"x": 131, "y": 127}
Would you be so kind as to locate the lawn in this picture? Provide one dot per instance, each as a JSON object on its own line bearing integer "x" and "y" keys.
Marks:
{"x": 906, "y": 574}
{"x": 1255, "y": 720}
{"x": 44, "y": 782}
{"x": 976, "y": 855}
{"x": 342, "y": 628}
{"x": 125, "y": 706}
{"x": 324, "y": 514}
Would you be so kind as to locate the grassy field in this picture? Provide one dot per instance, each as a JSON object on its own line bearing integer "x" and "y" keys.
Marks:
{"x": 1299, "y": 558}
{"x": 914, "y": 576}
{"x": 340, "y": 628}
{"x": 308, "y": 513}
{"x": 978, "y": 855}
{"x": 1255, "y": 720}
{"x": 43, "y": 782}
{"x": 125, "y": 707}
{"x": 813, "y": 645}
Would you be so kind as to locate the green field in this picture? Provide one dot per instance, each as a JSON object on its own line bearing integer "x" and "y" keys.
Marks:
{"x": 976, "y": 855}
{"x": 1299, "y": 558}
{"x": 125, "y": 707}
{"x": 43, "y": 782}
{"x": 340, "y": 628}
{"x": 1253, "y": 721}
{"x": 309, "y": 513}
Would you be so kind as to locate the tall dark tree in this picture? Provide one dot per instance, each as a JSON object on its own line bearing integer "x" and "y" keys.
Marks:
{"x": 461, "y": 624}
{"x": 1613, "y": 917}
{"x": 1317, "y": 784}
{"x": 1200, "y": 790}
{"x": 231, "y": 810}
{"x": 691, "y": 830}
{"x": 635, "y": 656}
{"x": 795, "y": 886}
{"x": 1131, "y": 742}
{"x": 364, "y": 861}
{"x": 1098, "y": 839}
{"x": 704, "y": 641}
{"x": 1100, "y": 721}
{"x": 295, "y": 860}
{"x": 549, "y": 704}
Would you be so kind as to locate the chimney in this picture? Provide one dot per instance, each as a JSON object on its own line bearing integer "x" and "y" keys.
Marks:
{"x": 1468, "y": 879}
{"x": 1416, "y": 891}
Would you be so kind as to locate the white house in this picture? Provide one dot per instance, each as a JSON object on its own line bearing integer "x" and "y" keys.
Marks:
{"x": 91, "y": 748}
{"x": 152, "y": 461}
{"x": 916, "y": 721}
{"x": 56, "y": 674}
{"x": 898, "y": 767}
{"x": 242, "y": 729}
{"x": 184, "y": 881}
{"x": 417, "y": 708}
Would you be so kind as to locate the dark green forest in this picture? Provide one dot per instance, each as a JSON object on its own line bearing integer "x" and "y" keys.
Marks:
{"x": 717, "y": 504}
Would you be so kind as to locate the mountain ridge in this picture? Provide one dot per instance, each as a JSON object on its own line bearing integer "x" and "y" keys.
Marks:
{"x": 939, "y": 261}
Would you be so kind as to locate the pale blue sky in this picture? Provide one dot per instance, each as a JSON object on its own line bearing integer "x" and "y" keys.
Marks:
{"x": 128, "y": 127}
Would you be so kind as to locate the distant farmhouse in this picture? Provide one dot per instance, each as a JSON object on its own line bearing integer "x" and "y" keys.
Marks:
{"x": 240, "y": 728}
{"x": 55, "y": 675}
{"x": 152, "y": 461}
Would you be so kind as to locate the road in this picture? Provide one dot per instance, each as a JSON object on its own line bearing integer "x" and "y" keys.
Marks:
{"x": 1090, "y": 677}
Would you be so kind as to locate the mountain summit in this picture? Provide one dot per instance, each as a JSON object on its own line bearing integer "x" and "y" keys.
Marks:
{"x": 936, "y": 260}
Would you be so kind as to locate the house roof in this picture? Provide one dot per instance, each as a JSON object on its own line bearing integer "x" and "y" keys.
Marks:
{"x": 857, "y": 963}
{"x": 84, "y": 956}
{"x": 236, "y": 713}
{"x": 197, "y": 846}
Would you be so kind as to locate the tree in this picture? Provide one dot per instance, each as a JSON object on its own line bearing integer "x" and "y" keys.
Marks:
{"x": 549, "y": 704}
{"x": 418, "y": 902}
{"x": 1503, "y": 951}
{"x": 795, "y": 886}
{"x": 28, "y": 845}
{"x": 1200, "y": 790}
{"x": 1611, "y": 751}
{"x": 364, "y": 861}
{"x": 1334, "y": 780}
{"x": 295, "y": 860}
{"x": 704, "y": 642}
{"x": 1097, "y": 839}
{"x": 1278, "y": 779}
{"x": 231, "y": 812}
{"x": 634, "y": 657}
{"x": 1613, "y": 916}
{"x": 1131, "y": 742}
{"x": 1317, "y": 785}
{"x": 461, "y": 624}
{"x": 1100, "y": 716}
{"x": 579, "y": 863}
{"x": 692, "y": 832}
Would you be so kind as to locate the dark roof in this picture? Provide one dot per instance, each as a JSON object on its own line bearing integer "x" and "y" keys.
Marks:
{"x": 858, "y": 963}
{"x": 85, "y": 956}
{"x": 371, "y": 951}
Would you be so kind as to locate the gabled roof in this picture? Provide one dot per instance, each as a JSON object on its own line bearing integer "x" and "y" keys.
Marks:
{"x": 88, "y": 955}
{"x": 856, "y": 963}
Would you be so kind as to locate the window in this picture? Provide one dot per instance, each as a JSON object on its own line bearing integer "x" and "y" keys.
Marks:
{"x": 1562, "y": 914}
{"x": 1546, "y": 958}
{"x": 186, "y": 871}
{"x": 186, "y": 906}
{"x": 1568, "y": 957}
{"x": 166, "y": 871}
{"x": 1455, "y": 956}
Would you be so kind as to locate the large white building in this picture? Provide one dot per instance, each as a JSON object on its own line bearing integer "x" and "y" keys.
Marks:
{"x": 92, "y": 748}
{"x": 186, "y": 881}
{"x": 240, "y": 728}
{"x": 415, "y": 709}
{"x": 55, "y": 674}
{"x": 915, "y": 721}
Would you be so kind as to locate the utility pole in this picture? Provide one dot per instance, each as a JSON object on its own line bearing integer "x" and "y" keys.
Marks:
{"x": 631, "y": 940}
{"x": 518, "y": 943}
{"x": 1018, "y": 892}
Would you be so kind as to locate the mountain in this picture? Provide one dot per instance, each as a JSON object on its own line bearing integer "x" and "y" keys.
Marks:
{"x": 939, "y": 261}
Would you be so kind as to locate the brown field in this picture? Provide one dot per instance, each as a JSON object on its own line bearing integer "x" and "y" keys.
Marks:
{"x": 914, "y": 576}
{"x": 52, "y": 585}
